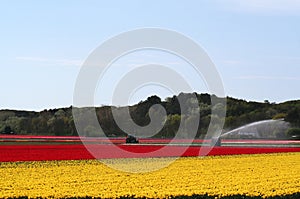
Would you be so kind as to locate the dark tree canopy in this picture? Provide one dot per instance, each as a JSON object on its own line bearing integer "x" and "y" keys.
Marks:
{"x": 238, "y": 112}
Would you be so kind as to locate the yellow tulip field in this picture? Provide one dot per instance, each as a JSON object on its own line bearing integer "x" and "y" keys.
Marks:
{"x": 264, "y": 176}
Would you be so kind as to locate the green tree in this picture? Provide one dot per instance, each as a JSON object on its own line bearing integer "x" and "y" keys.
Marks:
{"x": 91, "y": 131}
{"x": 171, "y": 125}
{"x": 293, "y": 116}
{"x": 279, "y": 116}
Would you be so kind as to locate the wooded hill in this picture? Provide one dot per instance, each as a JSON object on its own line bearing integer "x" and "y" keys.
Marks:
{"x": 239, "y": 112}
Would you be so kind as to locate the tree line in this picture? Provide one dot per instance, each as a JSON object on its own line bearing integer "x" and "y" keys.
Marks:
{"x": 60, "y": 122}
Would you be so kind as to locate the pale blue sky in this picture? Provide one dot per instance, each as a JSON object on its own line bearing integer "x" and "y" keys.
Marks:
{"x": 255, "y": 45}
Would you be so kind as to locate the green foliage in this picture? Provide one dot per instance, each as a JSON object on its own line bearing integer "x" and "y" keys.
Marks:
{"x": 279, "y": 116}
{"x": 91, "y": 131}
{"x": 293, "y": 116}
{"x": 238, "y": 113}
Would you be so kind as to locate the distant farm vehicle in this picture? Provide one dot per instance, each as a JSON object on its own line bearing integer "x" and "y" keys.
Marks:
{"x": 7, "y": 130}
{"x": 130, "y": 139}
{"x": 295, "y": 137}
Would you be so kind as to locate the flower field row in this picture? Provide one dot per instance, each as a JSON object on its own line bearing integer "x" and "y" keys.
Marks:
{"x": 263, "y": 175}
{"x": 31, "y": 152}
{"x": 119, "y": 140}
